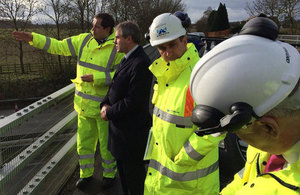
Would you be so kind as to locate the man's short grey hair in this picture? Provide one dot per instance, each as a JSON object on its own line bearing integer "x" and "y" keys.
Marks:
{"x": 130, "y": 28}
{"x": 283, "y": 112}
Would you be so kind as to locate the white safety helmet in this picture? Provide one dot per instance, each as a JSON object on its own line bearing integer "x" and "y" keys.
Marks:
{"x": 247, "y": 68}
{"x": 164, "y": 28}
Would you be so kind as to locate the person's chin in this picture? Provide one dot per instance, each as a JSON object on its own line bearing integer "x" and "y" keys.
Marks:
{"x": 120, "y": 50}
{"x": 168, "y": 59}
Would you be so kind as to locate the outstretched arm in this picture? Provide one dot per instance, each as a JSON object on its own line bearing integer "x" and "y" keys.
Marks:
{"x": 22, "y": 36}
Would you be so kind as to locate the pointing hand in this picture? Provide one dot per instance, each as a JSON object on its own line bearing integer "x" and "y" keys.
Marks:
{"x": 22, "y": 36}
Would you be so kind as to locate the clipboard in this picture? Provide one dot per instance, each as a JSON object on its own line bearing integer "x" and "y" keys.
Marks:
{"x": 149, "y": 146}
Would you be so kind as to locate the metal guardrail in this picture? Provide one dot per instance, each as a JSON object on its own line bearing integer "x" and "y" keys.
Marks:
{"x": 41, "y": 176}
{"x": 13, "y": 137}
{"x": 34, "y": 149}
{"x": 8, "y": 170}
{"x": 27, "y": 112}
{"x": 291, "y": 39}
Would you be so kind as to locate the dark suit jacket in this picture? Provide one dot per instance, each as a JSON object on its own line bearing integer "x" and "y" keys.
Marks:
{"x": 129, "y": 117}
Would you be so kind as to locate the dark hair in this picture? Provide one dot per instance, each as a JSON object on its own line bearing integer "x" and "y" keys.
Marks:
{"x": 107, "y": 21}
{"x": 181, "y": 38}
{"x": 262, "y": 15}
{"x": 129, "y": 28}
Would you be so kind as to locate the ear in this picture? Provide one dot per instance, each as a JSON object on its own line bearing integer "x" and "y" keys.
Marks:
{"x": 107, "y": 29}
{"x": 129, "y": 38}
{"x": 270, "y": 125}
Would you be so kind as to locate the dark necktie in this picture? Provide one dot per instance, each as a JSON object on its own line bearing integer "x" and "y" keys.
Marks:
{"x": 122, "y": 62}
{"x": 275, "y": 163}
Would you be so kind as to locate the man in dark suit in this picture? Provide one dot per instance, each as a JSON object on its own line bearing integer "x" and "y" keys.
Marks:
{"x": 126, "y": 107}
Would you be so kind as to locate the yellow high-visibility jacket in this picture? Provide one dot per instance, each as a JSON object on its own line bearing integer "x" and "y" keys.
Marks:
{"x": 92, "y": 58}
{"x": 253, "y": 180}
{"x": 181, "y": 162}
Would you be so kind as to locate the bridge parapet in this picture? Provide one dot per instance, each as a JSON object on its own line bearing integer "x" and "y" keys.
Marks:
{"x": 291, "y": 39}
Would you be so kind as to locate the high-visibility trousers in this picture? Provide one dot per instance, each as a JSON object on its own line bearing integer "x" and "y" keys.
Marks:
{"x": 88, "y": 133}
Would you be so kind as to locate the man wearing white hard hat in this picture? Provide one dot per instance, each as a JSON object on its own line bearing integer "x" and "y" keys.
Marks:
{"x": 250, "y": 84}
{"x": 181, "y": 162}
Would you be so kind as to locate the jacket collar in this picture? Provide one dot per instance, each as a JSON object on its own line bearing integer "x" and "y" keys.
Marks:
{"x": 133, "y": 54}
{"x": 292, "y": 155}
{"x": 131, "y": 51}
{"x": 108, "y": 40}
{"x": 167, "y": 72}
{"x": 283, "y": 177}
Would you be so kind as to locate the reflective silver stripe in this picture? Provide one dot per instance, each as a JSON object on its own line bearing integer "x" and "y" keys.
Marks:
{"x": 241, "y": 172}
{"x": 106, "y": 70}
{"x": 192, "y": 152}
{"x": 47, "y": 44}
{"x": 116, "y": 66}
{"x": 89, "y": 97}
{"x": 109, "y": 161}
{"x": 86, "y": 156}
{"x": 108, "y": 67}
{"x": 91, "y": 66}
{"x": 109, "y": 170}
{"x": 85, "y": 40}
{"x": 71, "y": 48}
{"x": 87, "y": 166}
{"x": 187, "y": 176}
{"x": 111, "y": 58}
{"x": 178, "y": 120}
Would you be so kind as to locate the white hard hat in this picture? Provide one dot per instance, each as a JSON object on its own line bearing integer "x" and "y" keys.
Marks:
{"x": 247, "y": 68}
{"x": 164, "y": 28}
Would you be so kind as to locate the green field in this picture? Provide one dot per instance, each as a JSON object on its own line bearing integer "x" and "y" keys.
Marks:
{"x": 42, "y": 72}
{"x": 34, "y": 59}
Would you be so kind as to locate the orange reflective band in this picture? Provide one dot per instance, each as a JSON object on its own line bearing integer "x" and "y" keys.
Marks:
{"x": 189, "y": 104}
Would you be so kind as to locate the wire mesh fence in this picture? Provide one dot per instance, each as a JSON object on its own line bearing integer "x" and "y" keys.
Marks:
{"x": 23, "y": 145}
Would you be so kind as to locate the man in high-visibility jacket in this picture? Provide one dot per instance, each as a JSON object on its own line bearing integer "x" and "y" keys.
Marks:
{"x": 181, "y": 162}
{"x": 250, "y": 84}
{"x": 96, "y": 63}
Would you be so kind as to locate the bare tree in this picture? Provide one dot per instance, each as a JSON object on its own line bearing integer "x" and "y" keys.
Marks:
{"x": 291, "y": 12}
{"x": 84, "y": 11}
{"x": 171, "y": 6}
{"x": 141, "y": 11}
{"x": 20, "y": 13}
{"x": 92, "y": 7}
{"x": 201, "y": 24}
{"x": 271, "y": 8}
{"x": 79, "y": 7}
{"x": 158, "y": 7}
{"x": 120, "y": 9}
{"x": 278, "y": 10}
{"x": 102, "y": 6}
{"x": 56, "y": 11}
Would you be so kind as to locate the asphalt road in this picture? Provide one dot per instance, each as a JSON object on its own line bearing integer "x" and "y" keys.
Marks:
{"x": 95, "y": 186}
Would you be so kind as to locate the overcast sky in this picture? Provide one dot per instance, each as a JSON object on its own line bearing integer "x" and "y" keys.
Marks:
{"x": 235, "y": 8}
{"x": 195, "y": 8}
